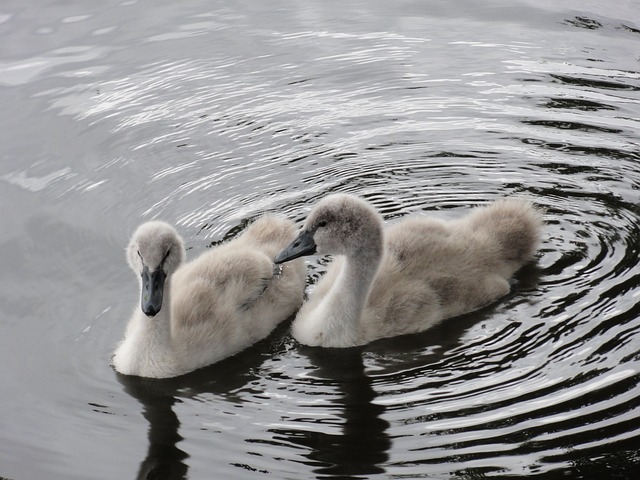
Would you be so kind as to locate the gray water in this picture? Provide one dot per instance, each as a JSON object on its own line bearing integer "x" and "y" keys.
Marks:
{"x": 208, "y": 113}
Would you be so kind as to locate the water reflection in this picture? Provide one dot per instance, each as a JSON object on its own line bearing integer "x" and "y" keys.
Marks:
{"x": 165, "y": 460}
{"x": 361, "y": 447}
{"x": 359, "y": 450}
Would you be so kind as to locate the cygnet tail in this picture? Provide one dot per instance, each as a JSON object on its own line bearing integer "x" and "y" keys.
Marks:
{"x": 515, "y": 225}
{"x": 270, "y": 233}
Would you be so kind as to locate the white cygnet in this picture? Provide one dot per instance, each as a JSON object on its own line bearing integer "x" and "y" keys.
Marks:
{"x": 197, "y": 313}
{"x": 411, "y": 275}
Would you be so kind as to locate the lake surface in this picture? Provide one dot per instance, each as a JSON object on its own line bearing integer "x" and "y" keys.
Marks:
{"x": 208, "y": 113}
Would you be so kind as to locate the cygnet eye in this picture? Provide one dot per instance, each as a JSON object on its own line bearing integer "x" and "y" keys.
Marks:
{"x": 165, "y": 257}
{"x": 322, "y": 223}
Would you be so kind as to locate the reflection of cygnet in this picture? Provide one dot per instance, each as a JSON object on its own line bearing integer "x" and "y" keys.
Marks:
{"x": 408, "y": 277}
{"x": 194, "y": 314}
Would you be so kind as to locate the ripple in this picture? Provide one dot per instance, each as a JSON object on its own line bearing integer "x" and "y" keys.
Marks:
{"x": 27, "y": 70}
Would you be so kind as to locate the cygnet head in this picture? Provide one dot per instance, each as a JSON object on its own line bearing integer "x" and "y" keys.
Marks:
{"x": 154, "y": 252}
{"x": 339, "y": 224}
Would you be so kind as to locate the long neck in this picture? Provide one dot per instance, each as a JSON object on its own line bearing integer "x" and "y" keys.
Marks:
{"x": 349, "y": 294}
{"x": 354, "y": 285}
{"x": 146, "y": 348}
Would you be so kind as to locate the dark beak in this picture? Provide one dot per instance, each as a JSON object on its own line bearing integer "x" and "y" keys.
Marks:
{"x": 152, "y": 290}
{"x": 301, "y": 246}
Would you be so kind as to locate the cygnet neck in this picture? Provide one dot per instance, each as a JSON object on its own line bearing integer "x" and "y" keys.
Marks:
{"x": 358, "y": 275}
{"x": 149, "y": 338}
{"x": 350, "y": 292}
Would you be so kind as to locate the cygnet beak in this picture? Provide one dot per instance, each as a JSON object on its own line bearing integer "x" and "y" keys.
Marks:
{"x": 301, "y": 246}
{"x": 152, "y": 290}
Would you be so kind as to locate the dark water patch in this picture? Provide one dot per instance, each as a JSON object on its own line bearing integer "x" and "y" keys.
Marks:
{"x": 584, "y": 22}
{"x": 630, "y": 28}
{"x": 594, "y": 83}
{"x": 577, "y": 104}
{"x": 571, "y": 126}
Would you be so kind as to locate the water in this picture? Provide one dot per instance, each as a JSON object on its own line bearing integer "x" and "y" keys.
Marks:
{"x": 208, "y": 113}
